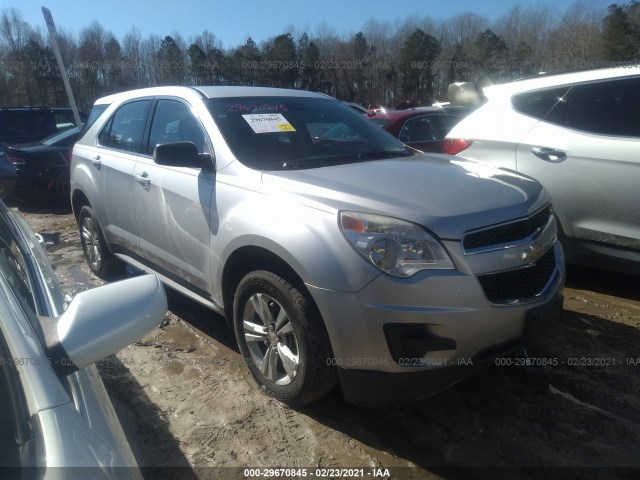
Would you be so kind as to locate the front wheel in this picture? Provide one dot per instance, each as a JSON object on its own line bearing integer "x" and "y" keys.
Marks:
{"x": 96, "y": 252}
{"x": 282, "y": 339}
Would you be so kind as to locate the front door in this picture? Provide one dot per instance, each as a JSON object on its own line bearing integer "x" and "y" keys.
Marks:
{"x": 172, "y": 203}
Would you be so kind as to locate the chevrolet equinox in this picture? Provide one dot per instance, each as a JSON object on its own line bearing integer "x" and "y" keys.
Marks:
{"x": 337, "y": 253}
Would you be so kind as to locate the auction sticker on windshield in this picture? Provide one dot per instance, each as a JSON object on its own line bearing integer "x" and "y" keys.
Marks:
{"x": 268, "y": 123}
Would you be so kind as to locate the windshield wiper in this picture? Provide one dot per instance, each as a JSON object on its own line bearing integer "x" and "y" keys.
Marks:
{"x": 315, "y": 161}
{"x": 329, "y": 160}
{"x": 380, "y": 155}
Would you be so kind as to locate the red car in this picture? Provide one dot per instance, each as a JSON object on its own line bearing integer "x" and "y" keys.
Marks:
{"x": 422, "y": 128}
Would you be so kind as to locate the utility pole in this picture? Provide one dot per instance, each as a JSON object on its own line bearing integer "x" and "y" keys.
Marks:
{"x": 53, "y": 36}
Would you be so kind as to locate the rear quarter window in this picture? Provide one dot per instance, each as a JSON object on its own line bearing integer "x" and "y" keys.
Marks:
{"x": 538, "y": 103}
{"x": 606, "y": 108}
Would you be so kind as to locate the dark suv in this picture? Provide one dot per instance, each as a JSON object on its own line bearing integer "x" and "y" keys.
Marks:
{"x": 30, "y": 124}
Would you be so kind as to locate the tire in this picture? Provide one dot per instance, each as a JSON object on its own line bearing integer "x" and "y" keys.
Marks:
{"x": 282, "y": 339}
{"x": 96, "y": 252}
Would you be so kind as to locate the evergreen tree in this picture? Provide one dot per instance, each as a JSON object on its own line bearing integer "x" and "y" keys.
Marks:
{"x": 310, "y": 60}
{"x": 417, "y": 56}
{"x": 197, "y": 65}
{"x": 280, "y": 62}
{"x": 620, "y": 38}
{"x": 170, "y": 63}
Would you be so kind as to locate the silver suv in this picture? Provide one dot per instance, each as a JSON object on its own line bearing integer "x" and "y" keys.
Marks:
{"x": 335, "y": 252}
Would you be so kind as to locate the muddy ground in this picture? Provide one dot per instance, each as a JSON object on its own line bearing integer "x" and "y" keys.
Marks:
{"x": 187, "y": 401}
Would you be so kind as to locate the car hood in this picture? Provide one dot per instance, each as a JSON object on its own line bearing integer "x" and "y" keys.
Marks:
{"x": 445, "y": 194}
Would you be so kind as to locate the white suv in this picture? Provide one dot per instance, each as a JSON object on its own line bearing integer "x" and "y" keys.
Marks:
{"x": 579, "y": 135}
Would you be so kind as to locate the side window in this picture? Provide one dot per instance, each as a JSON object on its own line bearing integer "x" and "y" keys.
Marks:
{"x": 427, "y": 128}
{"x": 537, "y": 104}
{"x": 125, "y": 129}
{"x": 607, "y": 108}
{"x": 411, "y": 128}
{"x": 174, "y": 122}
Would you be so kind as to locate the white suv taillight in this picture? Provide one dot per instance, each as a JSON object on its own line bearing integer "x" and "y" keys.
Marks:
{"x": 453, "y": 146}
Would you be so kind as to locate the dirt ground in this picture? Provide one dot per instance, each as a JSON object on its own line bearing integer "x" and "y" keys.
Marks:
{"x": 187, "y": 401}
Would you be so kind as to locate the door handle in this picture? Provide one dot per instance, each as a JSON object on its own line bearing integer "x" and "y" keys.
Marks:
{"x": 549, "y": 154}
{"x": 143, "y": 179}
{"x": 96, "y": 161}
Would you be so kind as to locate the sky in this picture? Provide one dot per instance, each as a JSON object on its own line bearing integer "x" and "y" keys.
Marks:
{"x": 233, "y": 21}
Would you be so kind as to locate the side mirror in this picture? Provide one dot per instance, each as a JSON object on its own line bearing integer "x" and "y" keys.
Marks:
{"x": 8, "y": 175}
{"x": 101, "y": 321}
{"x": 180, "y": 154}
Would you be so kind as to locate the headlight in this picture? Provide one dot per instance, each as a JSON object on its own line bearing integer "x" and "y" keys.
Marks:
{"x": 396, "y": 247}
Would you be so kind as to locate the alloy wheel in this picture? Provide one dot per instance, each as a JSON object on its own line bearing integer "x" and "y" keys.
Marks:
{"x": 271, "y": 339}
{"x": 91, "y": 241}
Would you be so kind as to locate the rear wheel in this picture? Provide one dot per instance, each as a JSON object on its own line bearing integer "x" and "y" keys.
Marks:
{"x": 101, "y": 261}
{"x": 282, "y": 339}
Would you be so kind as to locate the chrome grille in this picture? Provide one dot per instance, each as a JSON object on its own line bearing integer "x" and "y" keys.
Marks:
{"x": 508, "y": 232}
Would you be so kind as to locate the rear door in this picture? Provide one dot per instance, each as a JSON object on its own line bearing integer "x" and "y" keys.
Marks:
{"x": 586, "y": 152}
{"x": 172, "y": 203}
{"x": 120, "y": 144}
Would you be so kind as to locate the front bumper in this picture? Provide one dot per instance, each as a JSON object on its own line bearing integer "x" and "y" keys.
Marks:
{"x": 370, "y": 388}
{"x": 445, "y": 312}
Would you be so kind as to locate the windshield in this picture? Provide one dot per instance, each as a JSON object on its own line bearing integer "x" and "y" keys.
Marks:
{"x": 279, "y": 133}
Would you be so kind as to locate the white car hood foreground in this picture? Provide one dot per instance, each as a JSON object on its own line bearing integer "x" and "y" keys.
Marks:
{"x": 447, "y": 195}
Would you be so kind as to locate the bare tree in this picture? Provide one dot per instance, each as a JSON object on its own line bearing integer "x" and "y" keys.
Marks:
{"x": 14, "y": 31}
{"x": 364, "y": 64}
{"x": 576, "y": 42}
{"x": 134, "y": 65}
{"x": 526, "y": 32}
